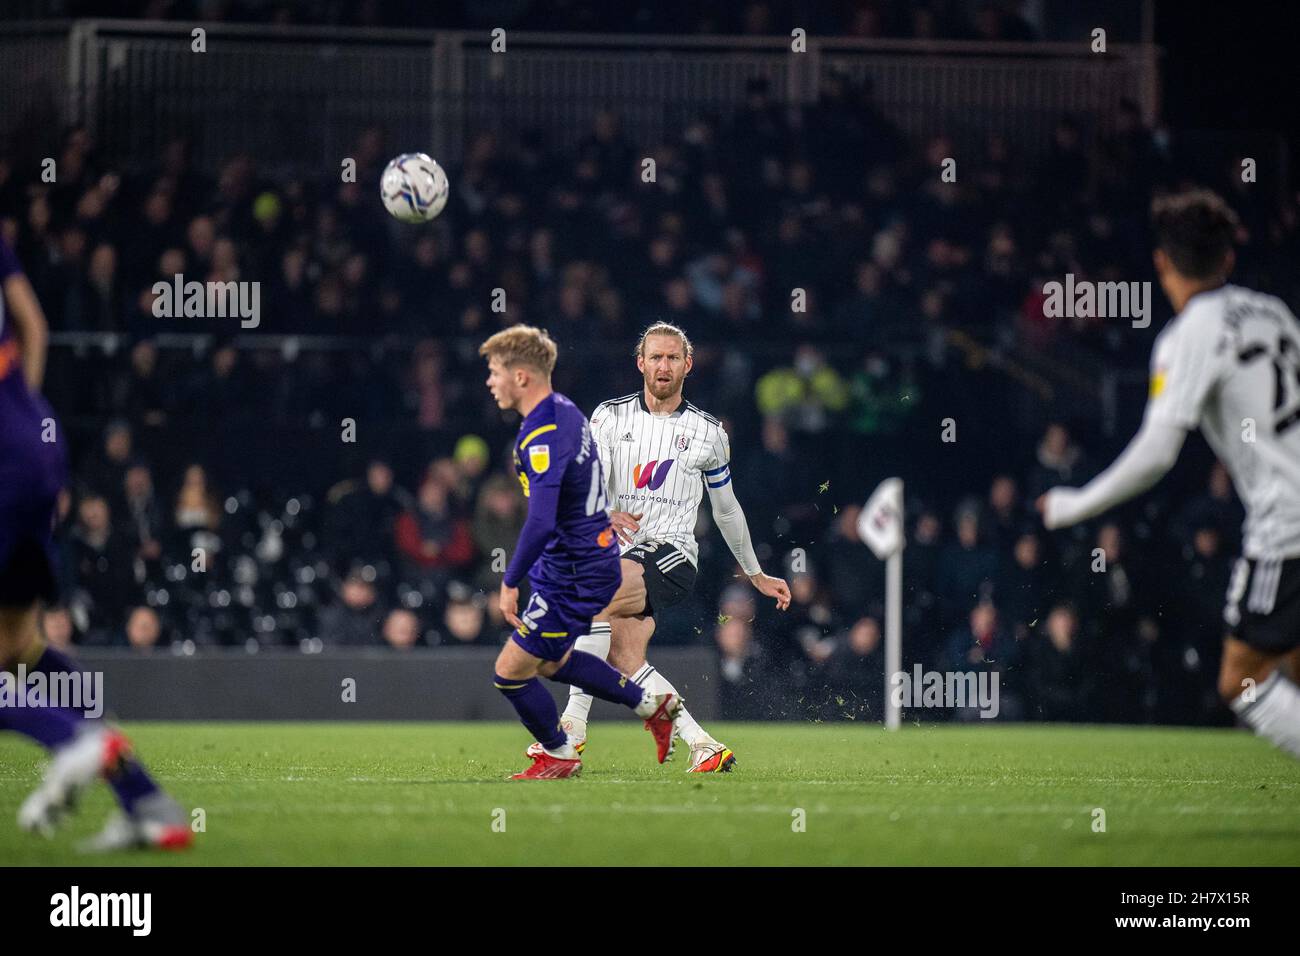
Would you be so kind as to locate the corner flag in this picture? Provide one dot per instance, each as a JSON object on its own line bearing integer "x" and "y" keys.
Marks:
{"x": 881, "y": 526}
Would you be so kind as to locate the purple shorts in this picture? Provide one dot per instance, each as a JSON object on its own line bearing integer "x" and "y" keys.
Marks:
{"x": 31, "y": 476}
{"x": 556, "y": 617}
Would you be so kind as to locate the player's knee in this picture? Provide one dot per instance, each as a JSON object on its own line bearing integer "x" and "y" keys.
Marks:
{"x": 1229, "y": 687}
{"x": 550, "y": 668}
{"x": 628, "y": 603}
{"x": 508, "y": 667}
{"x": 625, "y": 658}
{"x": 1235, "y": 679}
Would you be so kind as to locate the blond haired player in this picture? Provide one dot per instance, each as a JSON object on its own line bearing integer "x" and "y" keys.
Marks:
{"x": 660, "y": 453}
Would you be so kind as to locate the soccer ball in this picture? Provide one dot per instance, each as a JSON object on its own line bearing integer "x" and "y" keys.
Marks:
{"x": 414, "y": 187}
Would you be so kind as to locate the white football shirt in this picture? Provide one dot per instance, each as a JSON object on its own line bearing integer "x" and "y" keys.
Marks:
{"x": 658, "y": 466}
{"x": 1229, "y": 363}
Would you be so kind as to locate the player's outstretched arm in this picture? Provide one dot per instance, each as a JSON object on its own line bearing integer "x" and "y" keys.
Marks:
{"x": 730, "y": 519}
{"x": 1146, "y": 460}
{"x": 33, "y": 332}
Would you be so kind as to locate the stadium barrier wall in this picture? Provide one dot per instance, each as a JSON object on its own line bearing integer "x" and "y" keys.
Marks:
{"x": 443, "y": 684}
{"x": 296, "y": 95}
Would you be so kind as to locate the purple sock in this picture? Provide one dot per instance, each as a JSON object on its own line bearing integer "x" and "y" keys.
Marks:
{"x": 127, "y": 777}
{"x": 598, "y": 679}
{"x": 130, "y": 781}
{"x": 536, "y": 709}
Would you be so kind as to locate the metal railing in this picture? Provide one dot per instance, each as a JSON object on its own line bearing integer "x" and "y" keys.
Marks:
{"x": 33, "y": 62}
{"x": 300, "y": 96}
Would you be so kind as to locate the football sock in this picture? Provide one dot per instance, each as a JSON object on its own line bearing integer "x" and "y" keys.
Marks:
{"x": 130, "y": 781}
{"x": 127, "y": 777}
{"x": 536, "y": 710}
{"x": 597, "y": 645}
{"x": 1274, "y": 714}
{"x": 686, "y": 726}
{"x": 599, "y": 679}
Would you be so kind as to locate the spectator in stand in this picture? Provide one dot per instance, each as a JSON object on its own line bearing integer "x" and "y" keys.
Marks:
{"x": 1005, "y": 516}
{"x": 354, "y": 618}
{"x": 105, "y": 472}
{"x": 143, "y": 629}
{"x": 1217, "y": 507}
{"x": 431, "y": 539}
{"x": 196, "y": 502}
{"x": 464, "y": 620}
{"x": 853, "y": 574}
{"x": 57, "y": 627}
{"x": 428, "y": 387}
{"x": 196, "y": 519}
{"x": 967, "y": 568}
{"x": 103, "y": 565}
{"x": 1059, "y": 462}
{"x": 1110, "y": 595}
{"x": 787, "y": 479}
{"x": 882, "y": 396}
{"x": 1059, "y": 677}
{"x": 471, "y": 460}
{"x": 361, "y": 517}
{"x": 1194, "y": 644}
{"x": 920, "y": 589}
{"x": 1023, "y": 586}
{"x": 401, "y": 629}
{"x": 982, "y": 646}
{"x": 142, "y": 518}
{"x": 809, "y": 620}
{"x": 805, "y": 395}
{"x": 853, "y": 675}
{"x": 498, "y": 519}
{"x": 144, "y": 395}
{"x": 744, "y": 685}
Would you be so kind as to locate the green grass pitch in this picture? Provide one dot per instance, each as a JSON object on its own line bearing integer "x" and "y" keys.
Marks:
{"x": 429, "y": 794}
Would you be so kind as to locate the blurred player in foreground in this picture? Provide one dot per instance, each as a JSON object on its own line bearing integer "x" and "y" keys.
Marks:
{"x": 569, "y": 552}
{"x": 32, "y": 469}
{"x": 1228, "y": 362}
{"x": 660, "y": 452}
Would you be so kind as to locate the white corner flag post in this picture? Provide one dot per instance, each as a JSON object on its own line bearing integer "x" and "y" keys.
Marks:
{"x": 881, "y": 526}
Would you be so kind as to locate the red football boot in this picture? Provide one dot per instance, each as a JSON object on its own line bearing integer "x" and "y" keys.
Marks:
{"x": 660, "y": 724}
{"x": 546, "y": 767}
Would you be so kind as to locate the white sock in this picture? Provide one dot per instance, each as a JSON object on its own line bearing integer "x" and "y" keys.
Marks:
{"x": 685, "y": 725}
{"x": 1274, "y": 714}
{"x": 597, "y": 643}
{"x": 567, "y": 752}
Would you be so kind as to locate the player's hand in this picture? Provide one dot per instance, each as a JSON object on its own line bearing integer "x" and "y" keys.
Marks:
{"x": 510, "y": 605}
{"x": 773, "y": 588}
{"x": 1052, "y": 504}
{"x": 625, "y": 524}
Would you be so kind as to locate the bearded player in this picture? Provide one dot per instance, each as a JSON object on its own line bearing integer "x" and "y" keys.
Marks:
{"x": 32, "y": 471}
{"x": 567, "y": 550}
{"x": 1228, "y": 363}
{"x": 660, "y": 453}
